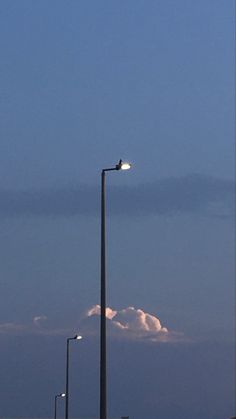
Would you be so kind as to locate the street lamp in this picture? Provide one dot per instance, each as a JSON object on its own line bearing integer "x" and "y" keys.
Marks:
{"x": 103, "y": 377}
{"x": 55, "y": 404}
{"x": 76, "y": 337}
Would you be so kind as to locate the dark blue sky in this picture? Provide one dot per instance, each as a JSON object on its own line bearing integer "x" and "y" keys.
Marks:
{"x": 84, "y": 84}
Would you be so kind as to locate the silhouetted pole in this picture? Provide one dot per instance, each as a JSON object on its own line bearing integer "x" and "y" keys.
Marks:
{"x": 103, "y": 374}
{"x": 76, "y": 337}
{"x": 55, "y": 404}
{"x": 55, "y": 408}
{"x": 103, "y": 360}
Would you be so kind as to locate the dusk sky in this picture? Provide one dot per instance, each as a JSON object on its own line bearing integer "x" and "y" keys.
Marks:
{"x": 83, "y": 84}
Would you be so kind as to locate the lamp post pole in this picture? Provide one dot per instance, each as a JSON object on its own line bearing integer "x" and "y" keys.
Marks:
{"x": 55, "y": 403}
{"x": 103, "y": 376}
{"x": 76, "y": 337}
{"x": 103, "y": 364}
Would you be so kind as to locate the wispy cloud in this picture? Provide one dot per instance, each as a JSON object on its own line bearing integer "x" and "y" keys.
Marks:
{"x": 37, "y": 320}
{"x": 37, "y": 326}
{"x": 169, "y": 196}
{"x": 130, "y": 324}
{"x": 12, "y": 328}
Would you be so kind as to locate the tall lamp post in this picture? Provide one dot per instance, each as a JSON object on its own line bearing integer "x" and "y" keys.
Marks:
{"x": 55, "y": 403}
{"x": 76, "y": 337}
{"x": 103, "y": 376}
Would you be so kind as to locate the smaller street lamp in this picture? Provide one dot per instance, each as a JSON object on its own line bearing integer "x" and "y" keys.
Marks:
{"x": 55, "y": 403}
{"x": 76, "y": 337}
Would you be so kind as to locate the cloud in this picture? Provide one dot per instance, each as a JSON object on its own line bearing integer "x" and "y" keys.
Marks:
{"x": 35, "y": 327}
{"x": 192, "y": 193}
{"x": 37, "y": 320}
{"x": 96, "y": 310}
{"x": 12, "y": 328}
{"x": 130, "y": 323}
{"x": 138, "y": 321}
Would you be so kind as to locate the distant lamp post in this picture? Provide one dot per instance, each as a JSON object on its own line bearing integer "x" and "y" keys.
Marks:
{"x": 103, "y": 376}
{"x": 76, "y": 337}
{"x": 55, "y": 403}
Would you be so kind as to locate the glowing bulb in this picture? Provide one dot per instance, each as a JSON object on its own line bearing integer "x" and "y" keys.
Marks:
{"x": 78, "y": 337}
{"x": 125, "y": 166}
{"x": 62, "y": 395}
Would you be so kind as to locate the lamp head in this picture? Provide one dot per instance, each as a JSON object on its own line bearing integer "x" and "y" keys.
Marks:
{"x": 63, "y": 395}
{"x": 78, "y": 337}
{"x": 123, "y": 165}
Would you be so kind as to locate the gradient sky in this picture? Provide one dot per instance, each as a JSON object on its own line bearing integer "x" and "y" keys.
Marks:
{"x": 83, "y": 84}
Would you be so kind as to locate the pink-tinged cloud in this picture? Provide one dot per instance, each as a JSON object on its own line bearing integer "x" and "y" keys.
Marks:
{"x": 131, "y": 323}
{"x": 138, "y": 321}
{"x": 96, "y": 310}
